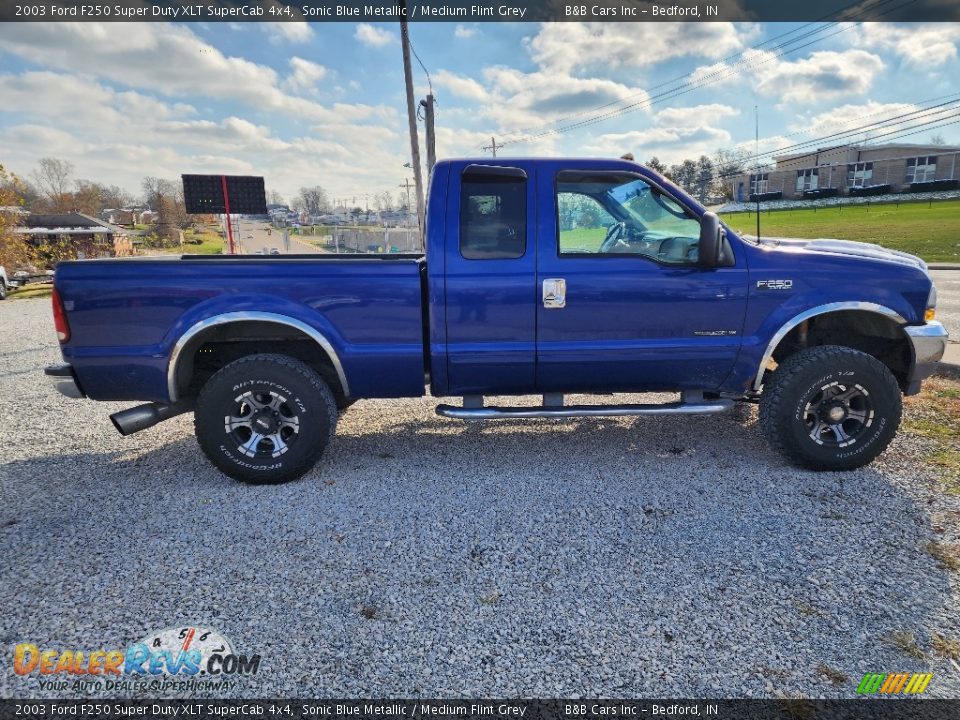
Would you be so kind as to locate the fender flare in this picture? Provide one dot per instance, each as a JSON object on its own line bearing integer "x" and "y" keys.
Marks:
{"x": 813, "y": 312}
{"x": 249, "y": 316}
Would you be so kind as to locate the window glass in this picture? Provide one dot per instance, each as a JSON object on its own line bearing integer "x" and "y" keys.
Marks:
{"x": 759, "y": 183}
{"x": 808, "y": 179}
{"x": 921, "y": 169}
{"x": 493, "y": 217}
{"x": 604, "y": 214}
{"x": 860, "y": 174}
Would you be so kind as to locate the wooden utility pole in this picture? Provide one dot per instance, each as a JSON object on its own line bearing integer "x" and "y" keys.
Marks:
{"x": 492, "y": 146}
{"x": 431, "y": 137}
{"x": 412, "y": 116}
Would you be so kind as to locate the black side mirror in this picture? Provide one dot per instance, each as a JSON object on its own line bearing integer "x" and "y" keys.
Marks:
{"x": 708, "y": 250}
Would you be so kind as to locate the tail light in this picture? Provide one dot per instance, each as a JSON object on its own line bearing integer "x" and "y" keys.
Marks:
{"x": 60, "y": 318}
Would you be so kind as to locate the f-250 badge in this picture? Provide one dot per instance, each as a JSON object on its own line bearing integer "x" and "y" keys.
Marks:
{"x": 775, "y": 284}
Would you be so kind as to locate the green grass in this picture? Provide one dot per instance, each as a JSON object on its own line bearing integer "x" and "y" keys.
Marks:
{"x": 210, "y": 243}
{"x": 934, "y": 415}
{"x": 931, "y": 231}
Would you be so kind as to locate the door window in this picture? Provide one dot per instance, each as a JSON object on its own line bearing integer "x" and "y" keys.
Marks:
{"x": 493, "y": 217}
{"x": 616, "y": 214}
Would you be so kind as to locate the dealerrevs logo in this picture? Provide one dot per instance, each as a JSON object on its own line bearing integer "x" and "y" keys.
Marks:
{"x": 193, "y": 657}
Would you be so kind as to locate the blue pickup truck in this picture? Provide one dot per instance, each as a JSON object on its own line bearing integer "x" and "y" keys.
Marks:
{"x": 541, "y": 276}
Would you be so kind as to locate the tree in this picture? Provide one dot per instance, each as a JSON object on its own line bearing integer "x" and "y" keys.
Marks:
{"x": 657, "y": 166}
{"x": 312, "y": 200}
{"x": 727, "y": 164}
{"x": 14, "y": 251}
{"x": 937, "y": 139}
{"x": 275, "y": 198}
{"x": 704, "y": 177}
{"x": 166, "y": 199}
{"x": 685, "y": 175}
{"x": 52, "y": 177}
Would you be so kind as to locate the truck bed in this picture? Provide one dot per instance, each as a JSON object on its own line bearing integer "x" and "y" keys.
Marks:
{"x": 127, "y": 315}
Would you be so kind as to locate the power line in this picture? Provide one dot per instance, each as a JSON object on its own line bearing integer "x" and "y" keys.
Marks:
{"x": 778, "y": 51}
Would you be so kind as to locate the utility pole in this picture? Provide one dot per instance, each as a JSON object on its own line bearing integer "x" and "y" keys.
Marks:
{"x": 756, "y": 151}
{"x": 406, "y": 185}
{"x": 492, "y": 146}
{"x": 427, "y": 104}
{"x": 411, "y": 115}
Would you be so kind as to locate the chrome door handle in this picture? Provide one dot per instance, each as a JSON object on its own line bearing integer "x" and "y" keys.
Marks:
{"x": 554, "y": 293}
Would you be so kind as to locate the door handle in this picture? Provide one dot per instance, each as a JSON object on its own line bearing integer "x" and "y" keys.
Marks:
{"x": 554, "y": 293}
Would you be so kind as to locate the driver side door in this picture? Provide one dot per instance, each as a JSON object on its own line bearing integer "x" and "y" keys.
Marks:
{"x": 637, "y": 314}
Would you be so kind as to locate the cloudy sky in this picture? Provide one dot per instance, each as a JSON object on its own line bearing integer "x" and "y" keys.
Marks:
{"x": 324, "y": 103}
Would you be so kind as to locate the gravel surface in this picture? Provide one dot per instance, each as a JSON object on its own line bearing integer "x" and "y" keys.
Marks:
{"x": 424, "y": 557}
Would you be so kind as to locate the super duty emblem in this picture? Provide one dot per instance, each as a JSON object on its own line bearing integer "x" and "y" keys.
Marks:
{"x": 774, "y": 284}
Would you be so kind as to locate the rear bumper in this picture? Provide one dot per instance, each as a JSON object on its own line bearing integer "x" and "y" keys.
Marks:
{"x": 929, "y": 342}
{"x": 64, "y": 380}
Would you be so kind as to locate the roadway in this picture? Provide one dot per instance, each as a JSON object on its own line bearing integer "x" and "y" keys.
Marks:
{"x": 256, "y": 236}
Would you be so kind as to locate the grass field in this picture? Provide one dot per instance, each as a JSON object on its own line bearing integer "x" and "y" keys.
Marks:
{"x": 210, "y": 243}
{"x": 931, "y": 231}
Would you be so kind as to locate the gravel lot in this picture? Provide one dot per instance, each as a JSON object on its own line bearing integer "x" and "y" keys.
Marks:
{"x": 629, "y": 557}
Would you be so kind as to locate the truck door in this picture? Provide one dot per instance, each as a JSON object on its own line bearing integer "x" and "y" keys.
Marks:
{"x": 623, "y": 305}
{"x": 491, "y": 280}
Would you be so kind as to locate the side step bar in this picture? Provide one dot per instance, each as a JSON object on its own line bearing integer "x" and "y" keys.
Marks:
{"x": 691, "y": 404}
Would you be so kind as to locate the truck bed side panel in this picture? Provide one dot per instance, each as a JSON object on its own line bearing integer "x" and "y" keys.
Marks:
{"x": 127, "y": 315}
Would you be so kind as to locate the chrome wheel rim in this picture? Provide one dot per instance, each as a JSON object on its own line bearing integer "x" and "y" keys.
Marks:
{"x": 838, "y": 415}
{"x": 262, "y": 424}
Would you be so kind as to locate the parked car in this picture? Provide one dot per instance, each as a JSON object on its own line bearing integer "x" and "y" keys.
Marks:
{"x": 4, "y": 284}
{"x": 274, "y": 251}
{"x": 541, "y": 276}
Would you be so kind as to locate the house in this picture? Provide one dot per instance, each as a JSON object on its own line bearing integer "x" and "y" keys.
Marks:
{"x": 76, "y": 235}
{"x": 852, "y": 170}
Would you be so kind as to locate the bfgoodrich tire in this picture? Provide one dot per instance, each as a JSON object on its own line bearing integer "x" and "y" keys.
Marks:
{"x": 265, "y": 418}
{"x": 830, "y": 408}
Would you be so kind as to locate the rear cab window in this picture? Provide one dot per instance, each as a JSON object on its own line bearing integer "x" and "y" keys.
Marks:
{"x": 493, "y": 213}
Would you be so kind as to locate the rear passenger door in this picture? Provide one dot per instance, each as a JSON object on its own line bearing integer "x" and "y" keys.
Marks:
{"x": 491, "y": 280}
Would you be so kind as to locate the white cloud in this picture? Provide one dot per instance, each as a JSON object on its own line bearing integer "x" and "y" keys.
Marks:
{"x": 283, "y": 33}
{"x": 373, "y": 36}
{"x": 579, "y": 45}
{"x": 670, "y": 145}
{"x": 166, "y": 59}
{"x": 463, "y": 32}
{"x": 461, "y": 86}
{"x": 823, "y": 75}
{"x": 697, "y": 116}
{"x": 847, "y": 117}
{"x": 304, "y": 74}
{"x": 919, "y": 45}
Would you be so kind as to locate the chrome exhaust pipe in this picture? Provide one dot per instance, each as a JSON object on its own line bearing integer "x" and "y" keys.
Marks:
{"x": 128, "y": 422}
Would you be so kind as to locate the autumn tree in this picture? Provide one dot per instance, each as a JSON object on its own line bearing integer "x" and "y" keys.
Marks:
{"x": 14, "y": 251}
{"x": 53, "y": 179}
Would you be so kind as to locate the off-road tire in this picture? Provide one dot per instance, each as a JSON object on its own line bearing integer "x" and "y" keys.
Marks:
{"x": 797, "y": 400}
{"x": 224, "y": 431}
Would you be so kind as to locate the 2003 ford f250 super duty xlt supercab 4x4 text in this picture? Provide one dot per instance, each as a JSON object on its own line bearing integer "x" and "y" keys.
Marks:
{"x": 541, "y": 276}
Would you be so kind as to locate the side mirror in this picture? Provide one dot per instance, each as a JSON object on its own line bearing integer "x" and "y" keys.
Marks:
{"x": 708, "y": 250}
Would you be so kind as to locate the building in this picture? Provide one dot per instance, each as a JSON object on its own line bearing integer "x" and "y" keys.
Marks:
{"x": 852, "y": 170}
{"x": 83, "y": 236}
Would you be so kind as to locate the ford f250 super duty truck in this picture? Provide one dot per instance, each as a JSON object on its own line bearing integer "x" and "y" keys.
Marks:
{"x": 541, "y": 276}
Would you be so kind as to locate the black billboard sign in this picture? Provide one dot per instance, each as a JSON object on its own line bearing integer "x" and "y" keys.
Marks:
{"x": 203, "y": 194}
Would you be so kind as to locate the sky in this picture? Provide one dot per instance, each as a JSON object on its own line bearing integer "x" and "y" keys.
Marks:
{"x": 307, "y": 104}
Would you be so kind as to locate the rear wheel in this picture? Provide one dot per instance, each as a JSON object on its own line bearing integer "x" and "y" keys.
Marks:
{"x": 265, "y": 418}
{"x": 830, "y": 408}
{"x": 3, "y": 290}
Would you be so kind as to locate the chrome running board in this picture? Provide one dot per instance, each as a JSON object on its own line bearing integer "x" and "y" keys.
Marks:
{"x": 692, "y": 404}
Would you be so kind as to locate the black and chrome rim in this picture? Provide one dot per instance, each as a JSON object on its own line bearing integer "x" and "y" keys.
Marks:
{"x": 838, "y": 415}
{"x": 262, "y": 424}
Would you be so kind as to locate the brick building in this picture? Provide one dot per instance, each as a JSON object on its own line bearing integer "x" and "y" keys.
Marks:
{"x": 853, "y": 170}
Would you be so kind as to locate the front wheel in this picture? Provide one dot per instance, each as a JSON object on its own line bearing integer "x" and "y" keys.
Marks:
{"x": 830, "y": 408}
{"x": 265, "y": 418}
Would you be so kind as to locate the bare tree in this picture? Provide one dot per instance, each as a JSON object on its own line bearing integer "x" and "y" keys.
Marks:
{"x": 166, "y": 199}
{"x": 312, "y": 200}
{"x": 52, "y": 178}
{"x": 275, "y": 198}
{"x": 937, "y": 139}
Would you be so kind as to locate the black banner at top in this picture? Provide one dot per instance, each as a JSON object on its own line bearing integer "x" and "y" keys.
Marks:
{"x": 480, "y": 11}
